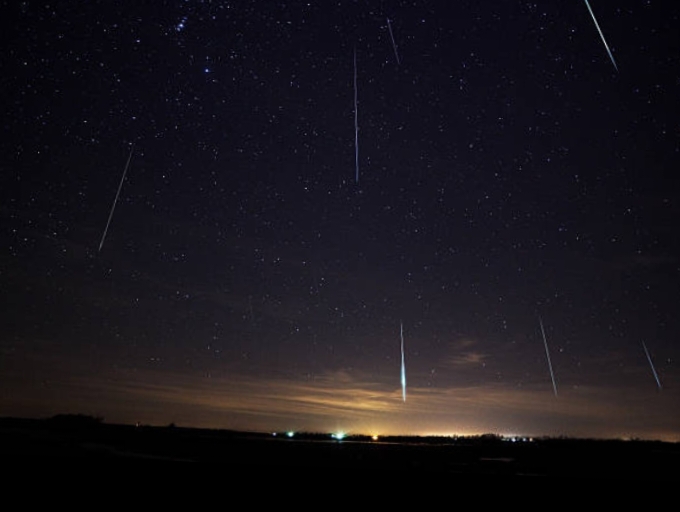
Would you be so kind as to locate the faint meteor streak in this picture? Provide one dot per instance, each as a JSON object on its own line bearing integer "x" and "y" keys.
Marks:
{"x": 403, "y": 363}
{"x": 394, "y": 45}
{"x": 113, "y": 206}
{"x": 547, "y": 354}
{"x": 658, "y": 382}
{"x": 356, "y": 120}
{"x": 602, "y": 36}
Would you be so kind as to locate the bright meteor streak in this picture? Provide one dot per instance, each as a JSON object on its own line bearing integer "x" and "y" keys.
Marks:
{"x": 602, "y": 36}
{"x": 547, "y": 354}
{"x": 658, "y": 382}
{"x": 403, "y": 363}
{"x": 113, "y": 207}
{"x": 356, "y": 121}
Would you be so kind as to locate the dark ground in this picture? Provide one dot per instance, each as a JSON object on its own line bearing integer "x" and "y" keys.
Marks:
{"x": 86, "y": 438}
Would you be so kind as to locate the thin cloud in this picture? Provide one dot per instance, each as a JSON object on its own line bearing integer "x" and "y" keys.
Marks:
{"x": 356, "y": 402}
{"x": 468, "y": 359}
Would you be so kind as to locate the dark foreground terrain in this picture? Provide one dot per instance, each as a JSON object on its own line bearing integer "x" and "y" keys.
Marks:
{"x": 74, "y": 437}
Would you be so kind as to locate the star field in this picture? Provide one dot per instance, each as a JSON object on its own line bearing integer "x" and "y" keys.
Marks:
{"x": 507, "y": 172}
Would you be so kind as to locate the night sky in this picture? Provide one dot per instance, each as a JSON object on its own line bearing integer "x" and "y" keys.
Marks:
{"x": 508, "y": 174}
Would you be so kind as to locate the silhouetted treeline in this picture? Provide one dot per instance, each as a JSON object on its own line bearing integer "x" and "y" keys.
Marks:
{"x": 75, "y": 421}
{"x": 83, "y": 422}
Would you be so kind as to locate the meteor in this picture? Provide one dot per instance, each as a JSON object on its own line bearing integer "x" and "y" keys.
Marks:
{"x": 394, "y": 45}
{"x": 547, "y": 354}
{"x": 113, "y": 207}
{"x": 403, "y": 363}
{"x": 602, "y": 36}
{"x": 356, "y": 120}
{"x": 658, "y": 382}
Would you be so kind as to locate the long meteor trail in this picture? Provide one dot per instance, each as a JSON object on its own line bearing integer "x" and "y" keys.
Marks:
{"x": 394, "y": 45}
{"x": 113, "y": 206}
{"x": 547, "y": 354}
{"x": 602, "y": 36}
{"x": 356, "y": 120}
{"x": 649, "y": 358}
{"x": 403, "y": 363}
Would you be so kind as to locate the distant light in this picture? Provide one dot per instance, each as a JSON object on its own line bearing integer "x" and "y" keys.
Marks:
{"x": 290, "y": 434}
{"x": 274, "y": 434}
{"x": 339, "y": 436}
{"x": 375, "y": 438}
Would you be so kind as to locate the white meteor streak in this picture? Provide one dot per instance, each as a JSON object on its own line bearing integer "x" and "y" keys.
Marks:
{"x": 602, "y": 36}
{"x": 658, "y": 382}
{"x": 113, "y": 206}
{"x": 403, "y": 363}
{"x": 547, "y": 354}
{"x": 394, "y": 45}
{"x": 356, "y": 120}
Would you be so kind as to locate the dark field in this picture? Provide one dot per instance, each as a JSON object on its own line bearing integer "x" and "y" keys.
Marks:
{"x": 88, "y": 439}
